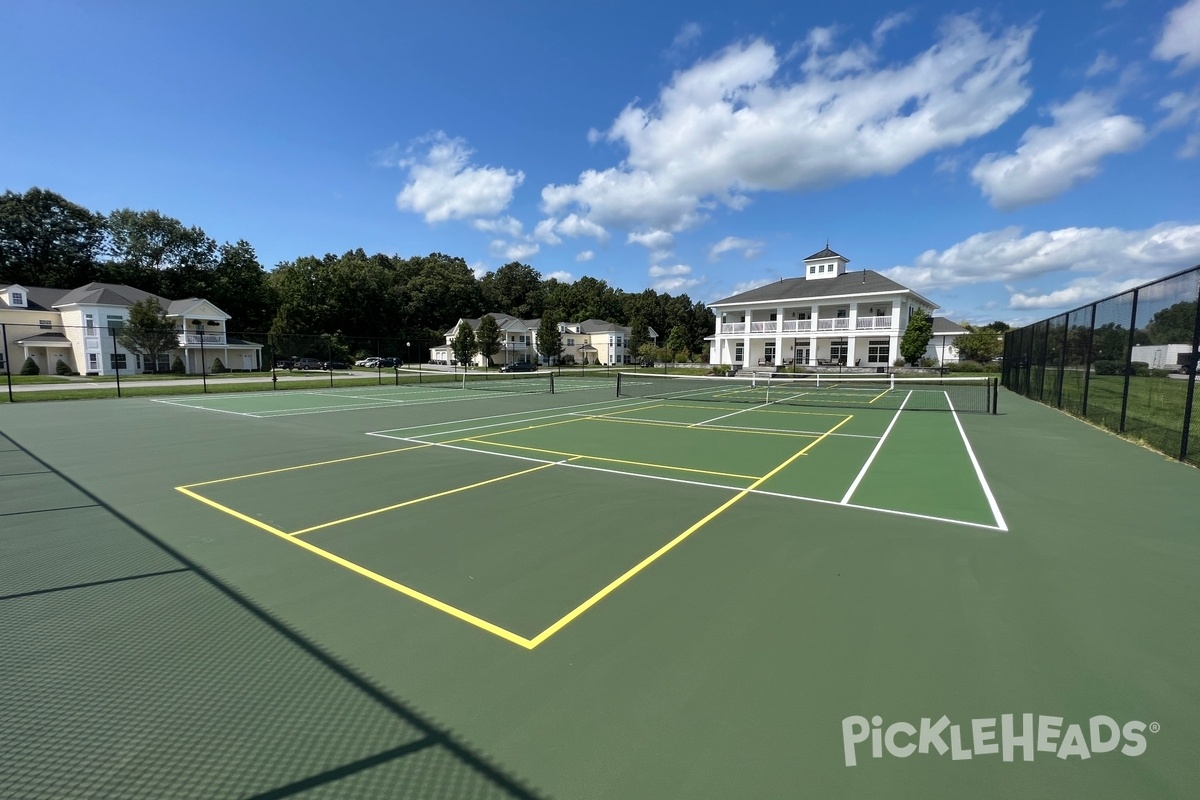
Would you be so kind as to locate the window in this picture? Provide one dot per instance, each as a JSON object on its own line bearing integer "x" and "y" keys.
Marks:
{"x": 812, "y": 270}
{"x": 570, "y": 342}
{"x": 841, "y": 313}
{"x": 18, "y": 299}
{"x": 116, "y": 360}
{"x": 115, "y": 323}
{"x": 821, "y": 268}
{"x": 1, "y": 359}
{"x": 838, "y": 350}
{"x": 45, "y": 323}
{"x": 877, "y": 351}
{"x": 738, "y": 353}
{"x": 93, "y": 361}
{"x": 89, "y": 322}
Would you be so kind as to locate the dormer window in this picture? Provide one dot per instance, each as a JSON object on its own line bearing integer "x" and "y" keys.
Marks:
{"x": 18, "y": 299}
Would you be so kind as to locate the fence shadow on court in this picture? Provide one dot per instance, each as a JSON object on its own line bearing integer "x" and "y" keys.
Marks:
{"x": 129, "y": 671}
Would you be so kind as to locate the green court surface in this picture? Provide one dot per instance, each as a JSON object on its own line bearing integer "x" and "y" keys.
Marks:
{"x": 423, "y": 591}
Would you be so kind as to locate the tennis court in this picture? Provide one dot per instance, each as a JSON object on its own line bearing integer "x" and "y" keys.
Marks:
{"x": 574, "y": 587}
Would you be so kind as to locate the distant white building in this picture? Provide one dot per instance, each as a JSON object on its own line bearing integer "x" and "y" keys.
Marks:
{"x": 593, "y": 340}
{"x": 77, "y": 326}
{"x": 829, "y": 317}
{"x": 1162, "y": 356}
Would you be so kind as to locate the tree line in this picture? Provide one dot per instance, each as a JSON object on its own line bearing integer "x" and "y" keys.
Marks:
{"x": 49, "y": 241}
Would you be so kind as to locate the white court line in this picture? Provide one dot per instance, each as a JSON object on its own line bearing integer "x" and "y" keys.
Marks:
{"x": 457, "y": 431}
{"x": 863, "y": 472}
{"x": 701, "y": 484}
{"x": 730, "y": 428}
{"x": 731, "y": 414}
{"x": 987, "y": 490}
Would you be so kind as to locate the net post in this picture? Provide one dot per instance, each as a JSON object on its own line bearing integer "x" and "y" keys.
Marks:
{"x": 995, "y": 395}
{"x": 551, "y": 376}
{"x": 618, "y": 384}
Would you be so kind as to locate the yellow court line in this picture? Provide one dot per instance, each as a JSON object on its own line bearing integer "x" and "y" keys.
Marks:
{"x": 610, "y": 588}
{"x": 433, "y": 602}
{"x": 884, "y": 393}
{"x": 609, "y": 460}
{"x": 774, "y": 409}
{"x": 315, "y": 464}
{"x": 419, "y": 500}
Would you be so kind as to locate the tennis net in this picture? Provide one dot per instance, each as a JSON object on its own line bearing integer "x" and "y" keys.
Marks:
{"x": 528, "y": 382}
{"x": 971, "y": 393}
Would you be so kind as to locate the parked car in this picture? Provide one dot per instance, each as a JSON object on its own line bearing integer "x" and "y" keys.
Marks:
{"x": 389, "y": 362}
{"x": 332, "y": 365}
{"x": 519, "y": 366}
{"x": 285, "y": 363}
{"x": 308, "y": 363}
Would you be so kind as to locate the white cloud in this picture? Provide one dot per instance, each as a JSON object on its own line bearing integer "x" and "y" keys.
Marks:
{"x": 678, "y": 269}
{"x": 687, "y": 36}
{"x": 508, "y": 226}
{"x": 1053, "y": 159}
{"x": 1102, "y": 261}
{"x": 572, "y": 225}
{"x": 1182, "y": 109}
{"x": 1181, "y": 36}
{"x": 659, "y": 243}
{"x": 746, "y": 286}
{"x": 749, "y": 247}
{"x": 513, "y": 251}
{"x": 585, "y": 255}
{"x": 562, "y": 276}
{"x": 674, "y": 278}
{"x": 747, "y": 125}
{"x": 1103, "y": 63}
{"x": 479, "y": 270}
{"x": 442, "y": 184}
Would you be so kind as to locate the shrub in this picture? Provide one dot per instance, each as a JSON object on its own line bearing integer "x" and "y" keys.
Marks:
{"x": 218, "y": 367}
{"x": 61, "y": 368}
{"x": 720, "y": 369}
{"x": 30, "y": 367}
{"x": 899, "y": 362}
{"x": 1107, "y": 367}
{"x": 929, "y": 362}
{"x": 177, "y": 366}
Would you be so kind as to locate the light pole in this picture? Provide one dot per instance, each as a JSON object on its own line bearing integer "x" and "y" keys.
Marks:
{"x": 203, "y": 368}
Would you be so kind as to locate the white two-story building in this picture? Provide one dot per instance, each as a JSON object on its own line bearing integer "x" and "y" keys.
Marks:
{"x": 829, "y": 317}
{"x": 78, "y": 327}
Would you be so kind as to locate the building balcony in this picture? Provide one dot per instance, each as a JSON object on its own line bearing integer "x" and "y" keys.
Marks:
{"x": 193, "y": 339}
{"x": 797, "y": 326}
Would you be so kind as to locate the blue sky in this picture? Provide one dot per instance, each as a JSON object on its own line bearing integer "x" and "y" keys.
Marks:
{"x": 1008, "y": 160}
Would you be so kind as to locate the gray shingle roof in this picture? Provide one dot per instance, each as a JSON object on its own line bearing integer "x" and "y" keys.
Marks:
{"x": 108, "y": 294}
{"x": 37, "y": 298}
{"x": 861, "y": 282}
{"x": 44, "y": 339}
{"x": 826, "y": 253}
{"x": 944, "y": 327}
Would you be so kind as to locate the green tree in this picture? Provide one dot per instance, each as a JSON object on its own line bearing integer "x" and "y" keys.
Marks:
{"x": 148, "y": 332}
{"x": 515, "y": 289}
{"x": 159, "y": 254}
{"x": 464, "y": 346}
{"x": 240, "y": 288}
{"x": 487, "y": 338}
{"x": 677, "y": 343}
{"x": 999, "y": 326}
{"x": 979, "y": 344}
{"x": 549, "y": 337}
{"x": 916, "y": 336}
{"x": 30, "y": 367}
{"x": 639, "y": 334}
{"x": 46, "y": 240}
{"x": 1173, "y": 325}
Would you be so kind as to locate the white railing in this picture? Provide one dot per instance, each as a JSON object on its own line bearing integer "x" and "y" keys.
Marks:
{"x": 797, "y": 325}
{"x": 733, "y": 327}
{"x": 194, "y": 338}
{"x": 873, "y": 323}
{"x": 763, "y": 327}
{"x": 837, "y": 324}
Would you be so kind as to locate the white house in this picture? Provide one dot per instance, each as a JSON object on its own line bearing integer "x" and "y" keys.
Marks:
{"x": 941, "y": 347}
{"x": 77, "y": 326}
{"x": 830, "y": 316}
{"x": 593, "y": 340}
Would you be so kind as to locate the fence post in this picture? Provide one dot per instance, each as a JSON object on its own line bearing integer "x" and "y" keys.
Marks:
{"x": 7, "y": 361}
{"x": 1062, "y": 359}
{"x": 1191, "y": 391}
{"x": 1087, "y": 363}
{"x": 116, "y": 364}
{"x": 1129, "y": 358}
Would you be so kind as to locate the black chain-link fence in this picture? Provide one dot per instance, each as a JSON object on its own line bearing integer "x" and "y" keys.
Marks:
{"x": 1126, "y": 363}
